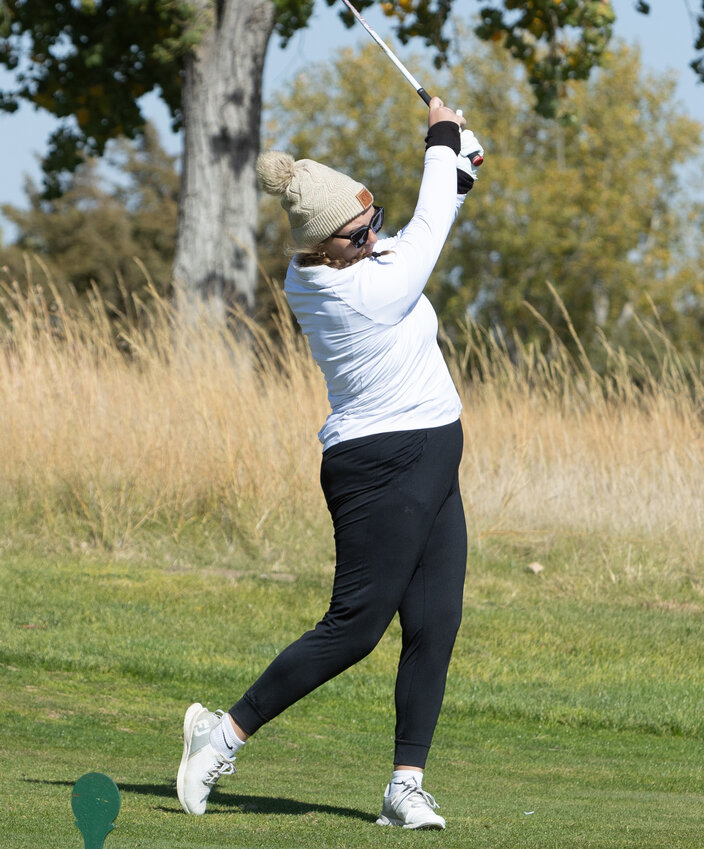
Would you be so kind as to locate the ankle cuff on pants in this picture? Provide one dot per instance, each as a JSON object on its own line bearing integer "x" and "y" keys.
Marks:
{"x": 411, "y": 754}
{"x": 246, "y": 716}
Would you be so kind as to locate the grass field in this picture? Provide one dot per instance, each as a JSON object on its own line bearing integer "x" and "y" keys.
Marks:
{"x": 572, "y": 719}
{"x": 162, "y": 537}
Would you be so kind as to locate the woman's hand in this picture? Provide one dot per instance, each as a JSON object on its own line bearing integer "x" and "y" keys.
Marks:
{"x": 437, "y": 111}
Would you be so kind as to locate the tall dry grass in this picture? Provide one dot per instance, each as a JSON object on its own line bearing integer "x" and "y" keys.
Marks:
{"x": 152, "y": 421}
{"x": 553, "y": 446}
{"x": 107, "y": 428}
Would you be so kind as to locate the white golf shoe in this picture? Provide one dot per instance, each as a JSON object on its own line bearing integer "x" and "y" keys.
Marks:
{"x": 410, "y": 807}
{"x": 201, "y": 765}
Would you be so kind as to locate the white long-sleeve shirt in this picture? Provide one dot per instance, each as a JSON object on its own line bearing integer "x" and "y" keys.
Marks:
{"x": 373, "y": 332}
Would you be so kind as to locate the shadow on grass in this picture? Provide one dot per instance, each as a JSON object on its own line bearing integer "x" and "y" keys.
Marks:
{"x": 226, "y": 803}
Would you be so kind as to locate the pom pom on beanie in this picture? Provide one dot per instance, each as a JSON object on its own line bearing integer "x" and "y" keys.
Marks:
{"x": 275, "y": 171}
{"x": 318, "y": 200}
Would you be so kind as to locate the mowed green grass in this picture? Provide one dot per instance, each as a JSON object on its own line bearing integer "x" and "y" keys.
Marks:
{"x": 574, "y": 714}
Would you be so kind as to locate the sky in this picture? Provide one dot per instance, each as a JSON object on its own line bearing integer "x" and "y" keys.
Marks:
{"x": 665, "y": 37}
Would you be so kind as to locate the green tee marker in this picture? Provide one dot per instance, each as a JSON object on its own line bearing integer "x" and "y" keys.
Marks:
{"x": 96, "y": 802}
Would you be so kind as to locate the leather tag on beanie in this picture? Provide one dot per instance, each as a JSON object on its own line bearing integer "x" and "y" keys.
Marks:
{"x": 365, "y": 198}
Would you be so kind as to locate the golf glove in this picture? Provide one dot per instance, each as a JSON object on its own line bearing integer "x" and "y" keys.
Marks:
{"x": 466, "y": 172}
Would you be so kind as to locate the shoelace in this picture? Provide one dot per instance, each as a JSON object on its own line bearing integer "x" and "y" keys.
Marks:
{"x": 224, "y": 766}
{"x": 412, "y": 789}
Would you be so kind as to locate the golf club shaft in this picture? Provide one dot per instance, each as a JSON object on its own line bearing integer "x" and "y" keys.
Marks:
{"x": 423, "y": 94}
{"x": 402, "y": 68}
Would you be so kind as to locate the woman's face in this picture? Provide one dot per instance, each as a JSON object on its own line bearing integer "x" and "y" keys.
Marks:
{"x": 337, "y": 248}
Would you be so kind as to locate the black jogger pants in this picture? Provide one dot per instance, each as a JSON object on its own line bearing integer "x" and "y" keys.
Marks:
{"x": 401, "y": 545}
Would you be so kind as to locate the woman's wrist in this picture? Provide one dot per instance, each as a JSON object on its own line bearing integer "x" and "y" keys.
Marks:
{"x": 445, "y": 133}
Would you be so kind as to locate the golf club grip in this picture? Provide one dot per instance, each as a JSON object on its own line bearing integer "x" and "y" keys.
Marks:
{"x": 477, "y": 159}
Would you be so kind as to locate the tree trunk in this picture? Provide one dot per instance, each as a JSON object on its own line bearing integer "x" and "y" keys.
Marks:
{"x": 222, "y": 91}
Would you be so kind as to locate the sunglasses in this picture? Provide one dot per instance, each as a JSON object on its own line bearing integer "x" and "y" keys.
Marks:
{"x": 359, "y": 236}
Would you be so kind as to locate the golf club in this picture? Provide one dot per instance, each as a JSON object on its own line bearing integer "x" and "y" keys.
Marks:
{"x": 476, "y": 158}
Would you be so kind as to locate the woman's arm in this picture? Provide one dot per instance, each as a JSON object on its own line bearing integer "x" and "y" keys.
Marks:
{"x": 385, "y": 289}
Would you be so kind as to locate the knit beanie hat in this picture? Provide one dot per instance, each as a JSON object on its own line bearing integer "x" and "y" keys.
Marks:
{"x": 319, "y": 200}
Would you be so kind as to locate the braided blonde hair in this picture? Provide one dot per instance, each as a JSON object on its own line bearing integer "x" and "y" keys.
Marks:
{"x": 311, "y": 257}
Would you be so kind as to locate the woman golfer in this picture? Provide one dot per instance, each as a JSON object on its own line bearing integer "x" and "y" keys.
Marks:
{"x": 391, "y": 450}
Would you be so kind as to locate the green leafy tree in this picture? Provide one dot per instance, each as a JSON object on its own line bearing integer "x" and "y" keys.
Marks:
{"x": 541, "y": 35}
{"x": 117, "y": 236}
{"x": 597, "y": 208}
{"x": 89, "y": 62}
